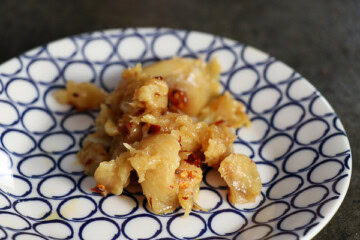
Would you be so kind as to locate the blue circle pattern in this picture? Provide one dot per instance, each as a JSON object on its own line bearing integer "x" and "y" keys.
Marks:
{"x": 1, "y": 86}
{"x": 48, "y": 60}
{"x": 5, "y": 199}
{"x": 46, "y": 112}
{"x": 76, "y": 198}
{"x": 51, "y": 165}
{"x": 149, "y": 37}
{"x": 87, "y": 63}
{"x": 30, "y": 200}
{"x": 27, "y": 81}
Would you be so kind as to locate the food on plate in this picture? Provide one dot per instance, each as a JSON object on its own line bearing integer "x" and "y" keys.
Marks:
{"x": 242, "y": 177}
{"x": 83, "y": 96}
{"x": 165, "y": 122}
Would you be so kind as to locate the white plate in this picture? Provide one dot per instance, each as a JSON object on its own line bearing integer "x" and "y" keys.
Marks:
{"x": 297, "y": 141}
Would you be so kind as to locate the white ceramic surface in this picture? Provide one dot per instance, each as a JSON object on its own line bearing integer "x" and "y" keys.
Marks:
{"x": 296, "y": 139}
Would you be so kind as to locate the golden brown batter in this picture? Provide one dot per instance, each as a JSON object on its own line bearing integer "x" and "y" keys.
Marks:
{"x": 165, "y": 122}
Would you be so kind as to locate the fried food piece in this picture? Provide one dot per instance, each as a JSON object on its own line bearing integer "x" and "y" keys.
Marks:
{"x": 91, "y": 155}
{"x": 189, "y": 176}
{"x": 225, "y": 108}
{"x": 182, "y": 126}
{"x": 242, "y": 177}
{"x": 191, "y": 78}
{"x": 95, "y": 147}
{"x": 106, "y": 123}
{"x": 162, "y": 123}
{"x": 119, "y": 100}
{"x": 151, "y": 151}
{"x": 138, "y": 92}
{"x": 114, "y": 174}
{"x": 152, "y": 96}
{"x": 157, "y": 172}
{"x": 83, "y": 96}
{"x": 217, "y": 143}
{"x": 155, "y": 160}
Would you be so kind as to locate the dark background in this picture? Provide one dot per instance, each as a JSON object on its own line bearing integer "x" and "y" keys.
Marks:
{"x": 320, "y": 39}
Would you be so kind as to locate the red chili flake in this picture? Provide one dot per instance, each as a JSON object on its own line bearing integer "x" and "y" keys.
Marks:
{"x": 193, "y": 160}
{"x": 180, "y": 142}
{"x": 217, "y": 123}
{"x": 190, "y": 174}
{"x": 171, "y": 187}
{"x": 173, "y": 108}
{"x": 177, "y": 99}
{"x": 127, "y": 128}
{"x": 140, "y": 111}
{"x": 159, "y": 78}
{"x": 88, "y": 162}
{"x": 185, "y": 198}
{"x": 154, "y": 129}
{"x": 150, "y": 201}
{"x": 100, "y": 189}
{"x": 125, "y": 131}
{"x": 202, "y": 158}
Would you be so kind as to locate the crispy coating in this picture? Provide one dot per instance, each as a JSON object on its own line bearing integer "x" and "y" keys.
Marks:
{"x": 199, "y": 80}
{"x": 156, "y": 171}
{"x": 216, "y": 143}
{"x": 82, "y": 96}
{"x": 161, "y": 124}
{"x": 91, "y": 155}
{"x": 114, "y": 174}
{"x": 242, "y": 177}
{"x": 225, "y": 108}
{"x": 189, "y": 178}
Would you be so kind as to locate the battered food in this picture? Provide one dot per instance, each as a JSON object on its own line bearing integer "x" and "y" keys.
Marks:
{"x": 165, "y": 122}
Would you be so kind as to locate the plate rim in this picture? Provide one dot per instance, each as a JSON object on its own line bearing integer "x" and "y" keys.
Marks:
{"x": 322, "y": 224}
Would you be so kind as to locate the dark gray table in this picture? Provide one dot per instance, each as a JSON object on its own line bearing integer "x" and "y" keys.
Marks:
{"x": 320, "y": 39}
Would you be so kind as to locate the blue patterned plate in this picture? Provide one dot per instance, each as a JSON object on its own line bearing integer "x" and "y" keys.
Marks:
{"x": 297, "y": 141}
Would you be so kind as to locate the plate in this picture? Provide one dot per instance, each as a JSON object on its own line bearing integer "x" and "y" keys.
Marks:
{"x": 299, "y": 144}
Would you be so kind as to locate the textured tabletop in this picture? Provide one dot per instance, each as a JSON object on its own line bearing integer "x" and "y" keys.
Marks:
{"x": 320, "y": 39}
